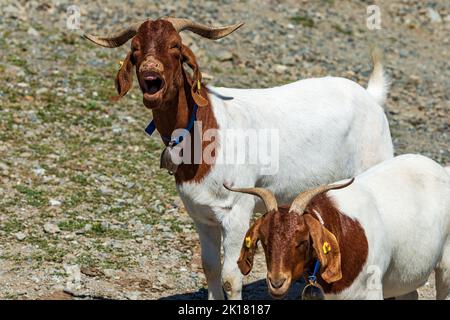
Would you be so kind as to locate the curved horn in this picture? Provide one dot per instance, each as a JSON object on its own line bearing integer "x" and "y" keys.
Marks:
{"x": 266, "y": 196}
{"x": 201, "y": 29}
{"x": 303, "y": 199}
{"x": 117, "y": 39}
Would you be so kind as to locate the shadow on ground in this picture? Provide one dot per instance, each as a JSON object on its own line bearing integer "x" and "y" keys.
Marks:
{"x": 253, "y": 291}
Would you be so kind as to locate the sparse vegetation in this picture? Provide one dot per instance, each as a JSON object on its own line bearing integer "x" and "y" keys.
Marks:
{"x": 71, "y": 157}
{"x": 303, "y": 20}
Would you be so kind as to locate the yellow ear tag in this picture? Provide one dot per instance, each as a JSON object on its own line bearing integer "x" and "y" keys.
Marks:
{"x": 248, "y": 242}
{"x": 326, "y": 247}
{"x": 199, "y": 85}
{"x": 121, "y": 63}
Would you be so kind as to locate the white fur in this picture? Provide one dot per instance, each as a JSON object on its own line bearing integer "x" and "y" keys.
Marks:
{"x": 403, "y": 205}
{"x": 329, "y": 129}
{"x": 378, "y": 83}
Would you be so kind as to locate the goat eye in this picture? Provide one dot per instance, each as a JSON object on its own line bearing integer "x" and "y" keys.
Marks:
{"x": 301, "y": 244}
{"x": 175, "y": 46}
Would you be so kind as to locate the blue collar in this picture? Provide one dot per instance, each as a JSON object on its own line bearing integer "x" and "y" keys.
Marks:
{"x": 173, "y": 142}
{"x": 312, "y": 278}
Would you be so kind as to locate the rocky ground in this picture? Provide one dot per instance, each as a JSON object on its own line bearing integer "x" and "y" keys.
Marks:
{"x": 81, "y": 193}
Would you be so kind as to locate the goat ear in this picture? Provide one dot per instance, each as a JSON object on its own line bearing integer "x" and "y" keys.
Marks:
{"x": 327, "y": 249}
{"x": 189, "y": 59}
{"x": 245, "y": 262}
{"x": 124, "y": 77}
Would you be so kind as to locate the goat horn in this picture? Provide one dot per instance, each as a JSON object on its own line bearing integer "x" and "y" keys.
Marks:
{"x": 303, "y": 199}
{"x": 266, "y": 196}
{"x": 202, "y": 30}
{"x": 117, "y": 39}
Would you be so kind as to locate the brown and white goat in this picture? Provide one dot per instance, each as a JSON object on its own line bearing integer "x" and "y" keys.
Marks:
{"x": 326, "y": 129}
{"x": 379, "y": 237}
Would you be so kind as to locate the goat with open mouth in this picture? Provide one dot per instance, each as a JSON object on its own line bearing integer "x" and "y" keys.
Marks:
{"x": 158, "y": 54}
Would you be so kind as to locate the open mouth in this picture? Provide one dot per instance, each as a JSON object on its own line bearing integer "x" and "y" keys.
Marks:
{"x": 153, "y": 83}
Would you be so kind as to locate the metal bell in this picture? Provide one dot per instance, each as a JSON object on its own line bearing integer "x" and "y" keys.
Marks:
{"x": 312, "y": 291}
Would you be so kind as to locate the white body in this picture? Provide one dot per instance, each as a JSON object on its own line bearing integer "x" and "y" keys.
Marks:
{"x": 329, "y": 129}
{"x": 403, "y": 205}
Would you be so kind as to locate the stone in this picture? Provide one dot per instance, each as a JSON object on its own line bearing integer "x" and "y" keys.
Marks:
{"x": 109, "y": 273}
{"x": 54, "y": 203}
{"x": 20, "y": 236}
{"x": 87, "y": 227}
{"x": 3, "y": 166}
{"x": 51, "y": 228}
{"x": 39, "y": 171}
{"x": 224, "y": 55}
{"x": 14, "y": 71}
{"x": 105, "y": 225}
{"x": 404, "y": 53}
{"x": 132, "y": 295}
{"x": 280, "y": 69}
{"x": 22, "y": 85}
{"x": 105, "y": 190}
{"x": 177, "y": 202}
{"x": 148, "y": 228}
{"x": 15, "y": 11}
{"x": 33, "y": 32}
{"x": 433, "y": 15}
{"x": 41, "y": 91}
{"x": 117, "y": 129}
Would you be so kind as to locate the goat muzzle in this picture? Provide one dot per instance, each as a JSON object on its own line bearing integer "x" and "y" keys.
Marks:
{"x": 278, "y": 286}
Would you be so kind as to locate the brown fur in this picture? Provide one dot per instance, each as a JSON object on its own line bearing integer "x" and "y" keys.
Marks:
{"x": 351, "y": 238}
{"x": 157, "y": 48}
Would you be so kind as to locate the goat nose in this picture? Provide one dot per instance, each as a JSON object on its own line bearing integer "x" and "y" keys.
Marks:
{"x": 277, "y": 283}
{"x": 153, "y": 65}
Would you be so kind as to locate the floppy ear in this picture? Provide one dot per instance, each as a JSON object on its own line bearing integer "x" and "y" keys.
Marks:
{"x": 326, "y": 248}
{"x": 189, "y": 59}
{"x": 124, "y": 77}
{"x": 248, "y": 249}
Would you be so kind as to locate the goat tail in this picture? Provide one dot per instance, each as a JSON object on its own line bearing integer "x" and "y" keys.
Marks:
{"x": 378, "y": 83}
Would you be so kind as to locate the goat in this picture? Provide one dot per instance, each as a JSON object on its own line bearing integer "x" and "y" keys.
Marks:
{"x": 328, "y": 129}
{"x": 378, "y": 237}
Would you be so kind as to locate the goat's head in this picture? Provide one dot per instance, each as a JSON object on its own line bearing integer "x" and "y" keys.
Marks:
{"x": 158, "y": 54}
{"x": 291, "y": 240}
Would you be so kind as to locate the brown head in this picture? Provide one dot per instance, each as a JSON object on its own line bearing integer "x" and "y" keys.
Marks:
{"x": 291, "y": 240}
{"x": 157, "y": 53}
